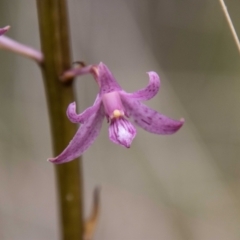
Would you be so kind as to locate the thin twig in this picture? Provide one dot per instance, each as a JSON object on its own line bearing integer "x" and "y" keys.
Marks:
{"x": 234, "y": 33}
{"x": 91, "y": 223}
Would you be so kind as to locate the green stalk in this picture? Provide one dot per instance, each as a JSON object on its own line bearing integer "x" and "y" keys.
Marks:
{"x": 53, "y": 23}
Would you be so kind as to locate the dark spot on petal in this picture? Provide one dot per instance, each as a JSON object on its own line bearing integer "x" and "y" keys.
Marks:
{"x": 145, "y": 121}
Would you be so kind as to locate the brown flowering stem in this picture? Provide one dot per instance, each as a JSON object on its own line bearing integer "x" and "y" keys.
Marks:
{"x": 53, "y": 24}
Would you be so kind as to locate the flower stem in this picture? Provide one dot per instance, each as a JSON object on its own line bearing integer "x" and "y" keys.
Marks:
{"x": 19, "y": 48}
{"x": 53, "y": 24}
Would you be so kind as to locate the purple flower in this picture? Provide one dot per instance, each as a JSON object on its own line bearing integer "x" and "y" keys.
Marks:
{"x": 117, "y": 106}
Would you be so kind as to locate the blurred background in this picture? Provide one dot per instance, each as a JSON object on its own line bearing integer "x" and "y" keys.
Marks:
{"x": 180, "y": 187}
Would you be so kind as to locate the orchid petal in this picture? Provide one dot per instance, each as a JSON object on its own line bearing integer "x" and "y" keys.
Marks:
{"x": 122, "y": 132}
{"x": 149, "y": 119}
{"x": 3, "y": 30}
{"x": 106, "y": 80}
{"x": 149, "y": 92}
{"x": 85, "y": 115}
{"x": 82, "y": 140}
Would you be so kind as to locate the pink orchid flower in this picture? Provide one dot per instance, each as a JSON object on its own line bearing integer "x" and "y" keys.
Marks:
{"x": 117, "y": 106}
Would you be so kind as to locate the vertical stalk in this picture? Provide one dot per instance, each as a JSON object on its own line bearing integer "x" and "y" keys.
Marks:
{"x": 53, "y": 24}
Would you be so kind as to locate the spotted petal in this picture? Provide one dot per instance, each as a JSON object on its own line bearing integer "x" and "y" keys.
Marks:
{"x": 149, "y": 92}
{"x": 149, "y": 119}
{"x": 83, "y": 139}
{"x": 85, "y": 115}
{"x": 106, "y": 80}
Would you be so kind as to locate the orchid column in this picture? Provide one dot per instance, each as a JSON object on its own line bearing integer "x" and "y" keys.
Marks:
{"x": 55, "y": 47}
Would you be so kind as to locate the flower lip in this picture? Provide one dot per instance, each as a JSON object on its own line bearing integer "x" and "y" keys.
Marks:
{"x": 122, "y": 132}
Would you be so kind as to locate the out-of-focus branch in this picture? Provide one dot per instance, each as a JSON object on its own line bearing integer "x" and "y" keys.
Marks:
{"x": 232, "y": 28}
{"x": 91, "y": 223}
{"x": 53, "y": 24}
